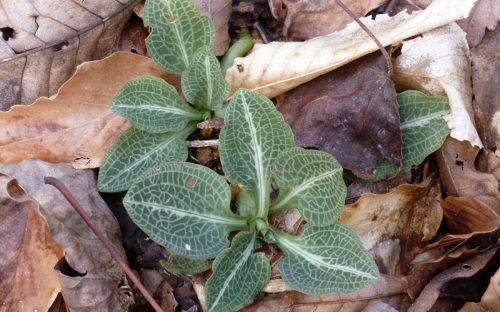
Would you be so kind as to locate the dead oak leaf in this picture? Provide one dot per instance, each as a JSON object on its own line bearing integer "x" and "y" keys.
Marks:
{"x": 76, "y": 125}
{"x": 28, "y": 281}
{"x": 352, "y": 113}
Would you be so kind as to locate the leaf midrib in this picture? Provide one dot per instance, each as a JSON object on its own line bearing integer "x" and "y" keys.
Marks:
{"x": 178, "y": 36}
{"x": 315, "y": 259}
{"x": 210, "y": 218}
{"x": 168, "y": 109}
{"x": 420, "y": 122}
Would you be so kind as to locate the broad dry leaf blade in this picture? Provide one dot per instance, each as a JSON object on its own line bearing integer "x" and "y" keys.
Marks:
{"x": 28, "y": 281}
{"x": 274, "y": 68}
{"x": 76, "y": 125}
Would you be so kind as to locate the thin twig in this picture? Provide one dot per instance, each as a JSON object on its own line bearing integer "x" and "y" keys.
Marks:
{"x": 106, "y": 242}
{"x": 368, "y": 31}
{"x": 203, "y": 143}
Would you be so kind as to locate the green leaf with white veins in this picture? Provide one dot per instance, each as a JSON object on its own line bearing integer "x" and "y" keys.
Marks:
{"x": 185, "y": 208}
{"x": 239, "y": 275}
{"x": 422, "y": 125}
{"x": 179, "y": 31}
{"x": 203, "y": 84}
{"x": 135, "y": 152}
{"x": 254, "y": 134}
{"x": 152, "y": 105}
{"x": 324, "y": 259}
{"x": 311, "y": 181}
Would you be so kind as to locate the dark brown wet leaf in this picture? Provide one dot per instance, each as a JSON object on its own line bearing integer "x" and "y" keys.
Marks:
{"x": 351, "y": 113}
{"x": 485, "y": 81}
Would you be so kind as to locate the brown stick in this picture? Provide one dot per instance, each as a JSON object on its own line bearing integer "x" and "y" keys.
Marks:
{"x": 106, "y": 242}
{"x": 368, "y": 31}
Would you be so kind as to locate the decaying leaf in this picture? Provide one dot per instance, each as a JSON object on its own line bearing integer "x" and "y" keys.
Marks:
{"x": 409, "y": 208}
{"x": 438, "y": 64}
{"x": 75, "y": 126}
{"x": 352, "y": 113}
{"x": 485, "y": 81}
{"x": 484, "y": 15}
{"x": 90, "y": 279}
{"x": 306, "y": 19}
{"x": 467, "y": 214}
{"x": 42, "y": 42}
{"x": 28, "y": 281}
{"x": 489, "y": 300}
{"x": 459, "y": 272}
{"x": 388, "y": 288}
{"x": 219, "y": 12}
{"x": 274, "y": 68}
{"x": 460, "y": 177}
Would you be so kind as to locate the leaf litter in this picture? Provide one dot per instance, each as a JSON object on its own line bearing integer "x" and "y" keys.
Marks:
{"x": 468, "y": 205}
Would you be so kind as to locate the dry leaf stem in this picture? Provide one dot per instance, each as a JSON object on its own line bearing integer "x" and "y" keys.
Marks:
{"x": 363, "y": 26}
{"x": 106, "y": 242}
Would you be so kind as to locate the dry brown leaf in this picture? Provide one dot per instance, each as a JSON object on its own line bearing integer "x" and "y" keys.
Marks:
{"x": 388, "y": 288}
{"x": 484, "y": 15}
{"x": 28, "y": 281}
{"x": 274, "y": 68}
{"x": 485, "y": 82}
{"x": 306, "y": 19}
{"x": 438, "y": 63}
{"x": 76, "y": 126}
{"x": 42, "y": 42}
{"x": 219, "y": 12}
{"x": 490, "y": 301}
{"x": 90, "y": 279}
{"x": 461, "y": 271}
{"x": 409, "y": 207}
{"x": 466, "y": 214}
{"x": 460, "y": 177}
{"x": 351, "y": 113}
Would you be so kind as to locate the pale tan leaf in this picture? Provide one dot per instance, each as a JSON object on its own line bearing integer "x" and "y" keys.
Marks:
{"x": 274, "y": 68}
{"x": 438, "y": 63}
{"x": 42, "y": 42}
{"x": 28, "y": 281}
{"x": 90, "y": 279}
{"x": 306, "y": 19}
{"x": 76, "y": 125}
{"x": 219, "y": 12}
{"x": 377, "y": 217}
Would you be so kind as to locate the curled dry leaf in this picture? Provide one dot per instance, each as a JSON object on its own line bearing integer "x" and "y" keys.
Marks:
{"x": 76, "y": 125}
{"x": 489, "y": 300}
{"x": 467, "y": 214}
{"x": 389, "y": 288}
{"x": 438, "y": 64}
{"x": 460, "y": 271}
{"x": 90, "y": 279}
{"x": 42, "y": 42}
{"x": 352, "y": 113}
{"x": 460, "y": 177}
{"x": 219, "y": 12}
{"x": 28, "y": 281}
{"x": 406, "y": 210}
{"x": 274, "y": 68}
{"x": 306, "y": 19}
{"x": 485, "y": 81}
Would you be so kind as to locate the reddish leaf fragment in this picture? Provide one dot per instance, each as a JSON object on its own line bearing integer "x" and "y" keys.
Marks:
{"x": 351, "y": 113}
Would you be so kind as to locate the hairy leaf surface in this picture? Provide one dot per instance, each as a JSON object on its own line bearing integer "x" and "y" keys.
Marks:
{"x": 179, "y": 31}
{"x": 239, "y": 275}
{"x": 311, "y": 181}
{"x": 152, "y": 105}
{"x": 254, "y": 134}
{"x": 183, "y": 265}
{"x": 184, "y": 207}
{"x": 135, "y": 152}
{"x": 203, "y": 84}
{"x": 422, "y": 124}
{"x": 325, "y": 259}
